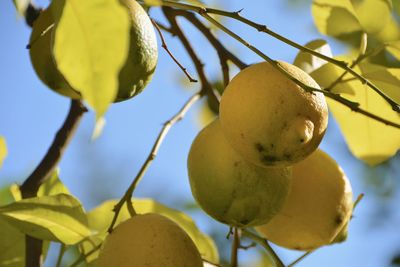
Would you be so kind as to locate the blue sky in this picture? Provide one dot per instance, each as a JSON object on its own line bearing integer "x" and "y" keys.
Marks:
{"x": 30, "y": 114}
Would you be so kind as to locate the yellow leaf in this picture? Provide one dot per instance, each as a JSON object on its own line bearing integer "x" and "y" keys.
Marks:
{"x": 335, "y": 17}
{"x": 3, "y": 150}
{"x": 368, "y": 140}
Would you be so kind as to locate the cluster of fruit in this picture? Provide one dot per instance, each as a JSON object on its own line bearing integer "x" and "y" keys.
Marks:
{"x": 259, "y": 165}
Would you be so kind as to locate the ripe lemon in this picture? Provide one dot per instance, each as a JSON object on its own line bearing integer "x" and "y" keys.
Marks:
{"x": 269, "y": 119}
{"x": 318, "y": 207}
{"x": 134, "y": 75}
{"x": 230, "y": 189}
{"x": 149, "y": 240}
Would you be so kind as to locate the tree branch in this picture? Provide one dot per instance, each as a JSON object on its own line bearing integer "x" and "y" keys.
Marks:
{"x": 171, "y": 14}
{"x": 263, "y": 28}
{"x": 127, "y": 198}
{"x": 29, "y": 188}
{"x": 164, "y": 45}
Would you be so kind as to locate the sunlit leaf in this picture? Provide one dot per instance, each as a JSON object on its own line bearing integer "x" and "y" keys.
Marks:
{"x": 56, "y": 218}
{"x": 153, "y": 2}
{"x": 90, "y": 47}
{"x": 5, "y": 195}
{"x": 387, "y": 79}
{"x": 308, "y": 62}
{"x": 53, "y": 186}
{"x": 100, "y": 219}
{"x": 3, "y": 150}
{"x": 369, "y": 140}
{"x": 335, "y": 17}
{"x": 373, "y": 15}
{"x": 394, "y": 49}
{"x": 15, "y": 192}
{"x": 12, "y": 246}
{"x": 21, "y": 6}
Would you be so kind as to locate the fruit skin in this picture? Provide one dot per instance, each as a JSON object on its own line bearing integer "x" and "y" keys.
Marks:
{"x": 230, "y": 189}
{"x": 134, "y": 75}
{"x": 149, "y": 240}
{"x": 317, "y": 209}
{"x": 42, "y": 59}
{"x": 269, "y": 119}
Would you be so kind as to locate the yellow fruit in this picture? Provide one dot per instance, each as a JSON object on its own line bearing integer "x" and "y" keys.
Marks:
{"x": 269, "y": 119}
{"x": 134, "y": 75}
{"x": 230, "y": 189}
{"x": 318, "y": 207}
{"x": 149, "y": 240}
{"x": 42, "y": 59}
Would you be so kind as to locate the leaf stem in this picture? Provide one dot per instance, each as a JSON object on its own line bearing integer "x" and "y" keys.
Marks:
{"x": 152, "y": 155}
{"x": 300, "y": 258}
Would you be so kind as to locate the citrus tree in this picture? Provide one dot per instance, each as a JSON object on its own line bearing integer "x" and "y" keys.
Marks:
{"x": 254, "y": 167}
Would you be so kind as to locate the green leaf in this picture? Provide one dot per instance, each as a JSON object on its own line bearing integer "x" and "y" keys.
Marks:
{"x": 308, "y": 62}
{"x": 21, "y": 6}
{"x": 12, "y": 246}
{"x": 335, "y": 18}
{"x": 53, "y": 186}
{"x": 5, "y": 196}
{"x": 373, "y": 15}
{"x": 3, "y": 150}
{"x": 369, "y": 140}
{"x": 58, "y": 218}
{"x": 100, "y": 219}
{"x": 90, "y": 47}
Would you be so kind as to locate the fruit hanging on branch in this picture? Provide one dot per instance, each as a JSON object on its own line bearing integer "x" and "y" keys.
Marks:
{"x": 230, "y": 189}
{"x": 149, "y": 240}
{"x": 317, "y": 209}
{"x": 269, "y": 119}
{"x": 135, "y": 73}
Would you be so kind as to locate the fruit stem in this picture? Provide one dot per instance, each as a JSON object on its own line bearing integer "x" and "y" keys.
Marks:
{"x": 235, "y": 247}
{"x": 300, "y": 258}
{"x": 264, "y": 243}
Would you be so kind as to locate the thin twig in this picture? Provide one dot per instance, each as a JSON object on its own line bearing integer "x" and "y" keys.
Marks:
{"x": 224, "y": 53}
{"x": 264, "y": 243}
{"x": 29, "y": 188}
{"x": 83, "y": 257}
{"x": 164, "y": 45}
{"x": 152, "y": 155}
{"x": 171, "y": 14}
{"x": 300, "y": 258}
{"x": 357, "y": 61}
{"x": 235, "y": 247}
